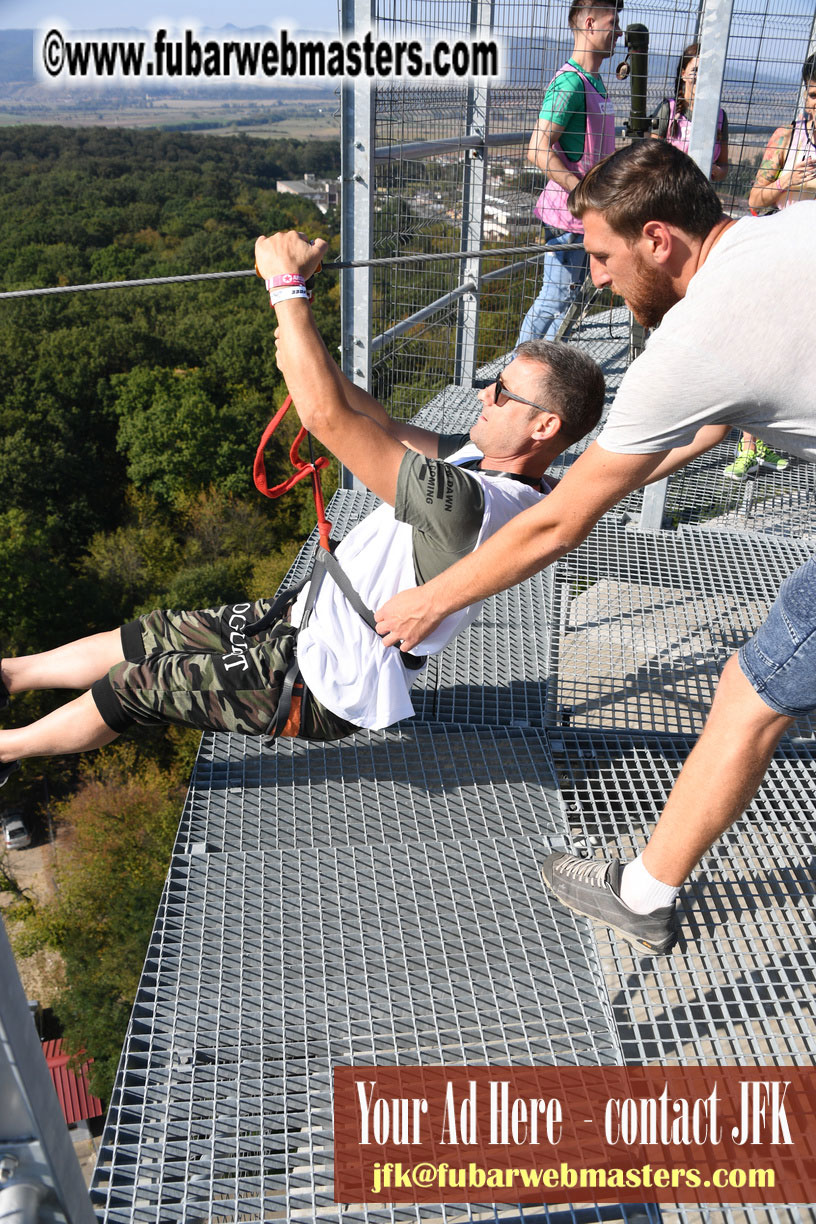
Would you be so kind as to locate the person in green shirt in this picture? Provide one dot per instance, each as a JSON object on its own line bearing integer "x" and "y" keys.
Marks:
{"x": 575, "y": 130}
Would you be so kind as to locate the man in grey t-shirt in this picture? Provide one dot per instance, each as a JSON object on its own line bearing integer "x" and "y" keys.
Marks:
{"x": 736, "y": 303}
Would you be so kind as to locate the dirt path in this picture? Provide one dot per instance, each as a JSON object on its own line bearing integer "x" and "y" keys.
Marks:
{"x": 33, "y": 868}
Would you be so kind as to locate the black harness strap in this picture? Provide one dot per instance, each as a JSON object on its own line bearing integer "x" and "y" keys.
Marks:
{"x": 474, "y": 465}
{"x": 326, "y": 562}
{"x": 278, "y": 606}
{"x": 291, "y": 682}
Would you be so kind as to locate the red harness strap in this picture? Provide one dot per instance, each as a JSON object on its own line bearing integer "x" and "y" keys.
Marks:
{"x": 303, "y": 468}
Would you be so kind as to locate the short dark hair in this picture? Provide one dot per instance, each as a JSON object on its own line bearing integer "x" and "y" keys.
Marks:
{"x": 578, "y": 6}
{"x": 809, "y": 69}
{"x": 650, "y": 180}
{"x": 572, "y": 384}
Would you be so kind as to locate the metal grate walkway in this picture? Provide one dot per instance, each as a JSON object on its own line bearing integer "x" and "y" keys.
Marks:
{"x": 643, "y": 623}
{"x": 420, "y": 941}
{"x": 740, "y": 988}
{"x": 379, "y": 900}
{"x": 416, "y": 784}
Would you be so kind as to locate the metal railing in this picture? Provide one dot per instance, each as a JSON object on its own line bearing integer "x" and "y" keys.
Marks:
{"x": 437, "y": 332}
{"x": 39, "y": 1171}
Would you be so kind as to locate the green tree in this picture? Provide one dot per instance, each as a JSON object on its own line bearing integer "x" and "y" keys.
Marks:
{"x": 118, "y": 834}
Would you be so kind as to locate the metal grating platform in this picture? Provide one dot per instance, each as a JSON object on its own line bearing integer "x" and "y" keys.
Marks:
{"x": 740, "y": 986}
{"x": 379, "y": 899}
{"x": 797, "y": 1214}
{"x": 418, "y": 784}
{"x": 644, "y": 623}
{"x": 267, "y": 970}
{"x": 496, "y": 671}
{"x": 770, "y": 503}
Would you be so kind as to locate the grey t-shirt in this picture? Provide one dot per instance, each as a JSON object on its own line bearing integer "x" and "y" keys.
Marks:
{"x": 739, "y": 349}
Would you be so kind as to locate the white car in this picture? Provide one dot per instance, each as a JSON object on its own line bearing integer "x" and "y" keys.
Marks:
{"x": 15, "y": 834}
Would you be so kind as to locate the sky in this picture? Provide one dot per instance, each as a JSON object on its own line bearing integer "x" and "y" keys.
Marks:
{"x": 147, "y": 14}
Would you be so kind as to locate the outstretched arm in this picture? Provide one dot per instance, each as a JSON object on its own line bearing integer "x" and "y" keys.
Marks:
{"x": 361, "y": 435}
{"x": 527, "y": 544}
{"x": 424, "y": 441}
{"x": 772, "y": 186}
{"x": 706, "y": 437}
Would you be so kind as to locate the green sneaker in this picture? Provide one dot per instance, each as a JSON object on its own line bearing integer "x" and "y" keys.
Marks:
{"x": 768, "y": 458}
{"x": 745, "y": 463}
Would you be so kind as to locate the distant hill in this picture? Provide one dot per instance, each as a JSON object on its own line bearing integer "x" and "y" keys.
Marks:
{"x": 530, "y": 61}
{"x": 17, "y": 56}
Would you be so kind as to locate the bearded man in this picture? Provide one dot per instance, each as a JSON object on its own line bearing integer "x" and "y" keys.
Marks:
{"x": 735, "y": 301}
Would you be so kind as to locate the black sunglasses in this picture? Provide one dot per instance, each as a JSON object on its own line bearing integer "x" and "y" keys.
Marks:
{"x": 500, "y": 389}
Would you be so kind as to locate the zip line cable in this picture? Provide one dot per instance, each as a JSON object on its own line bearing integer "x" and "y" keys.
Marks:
{"x": 537, "y": 249}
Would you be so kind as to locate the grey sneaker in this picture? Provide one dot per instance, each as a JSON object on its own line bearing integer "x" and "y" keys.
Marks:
{"x": 592, "y": 887}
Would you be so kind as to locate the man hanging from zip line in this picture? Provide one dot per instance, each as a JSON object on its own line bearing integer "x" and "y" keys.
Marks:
{"x": 735, "y": 301}
{"x": 283, "y": 667}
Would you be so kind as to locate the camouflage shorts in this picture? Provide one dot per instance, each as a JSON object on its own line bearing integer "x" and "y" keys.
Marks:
{"x": 201, "y": 669}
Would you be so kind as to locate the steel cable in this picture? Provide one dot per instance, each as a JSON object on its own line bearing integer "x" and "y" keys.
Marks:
{"x": 537, "y": 249}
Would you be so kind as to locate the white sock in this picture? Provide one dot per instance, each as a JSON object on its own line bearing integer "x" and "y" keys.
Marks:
{"x": 641, "y": 892}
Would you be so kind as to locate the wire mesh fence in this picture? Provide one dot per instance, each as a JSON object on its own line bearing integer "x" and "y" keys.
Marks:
{"x": 454, "y": 169}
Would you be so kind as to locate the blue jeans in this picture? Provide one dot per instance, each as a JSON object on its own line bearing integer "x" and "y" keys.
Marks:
{"x": 780, "y": 659}
{"x": 564, "y": 271}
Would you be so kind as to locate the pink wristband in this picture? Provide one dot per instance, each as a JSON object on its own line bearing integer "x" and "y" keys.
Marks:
{"x": 284, "y": 280}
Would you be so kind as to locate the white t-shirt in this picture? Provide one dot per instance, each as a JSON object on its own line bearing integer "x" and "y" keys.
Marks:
{"x": 739, "y": 349}
{"x": 343, "y": 662}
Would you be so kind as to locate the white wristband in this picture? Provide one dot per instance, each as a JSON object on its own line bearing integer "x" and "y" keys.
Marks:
{"x": 283, "y": 295}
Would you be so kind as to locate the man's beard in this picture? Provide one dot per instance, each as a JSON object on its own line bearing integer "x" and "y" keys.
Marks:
{"x": 652, "y": 294}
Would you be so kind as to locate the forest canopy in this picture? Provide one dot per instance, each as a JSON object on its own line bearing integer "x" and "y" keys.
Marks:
{"x": 121, "y": 408}
{"x": 129, "y": 420}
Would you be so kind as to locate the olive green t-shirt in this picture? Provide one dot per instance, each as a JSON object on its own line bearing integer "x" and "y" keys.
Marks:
{"x": 443, "y": 504}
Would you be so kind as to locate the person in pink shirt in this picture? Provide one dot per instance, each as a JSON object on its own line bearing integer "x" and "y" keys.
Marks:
{"x": 575, "y": 130}
{"x": 674, "y": 116}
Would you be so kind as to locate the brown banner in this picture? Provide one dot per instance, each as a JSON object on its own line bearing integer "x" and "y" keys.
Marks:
{"x": 575, "y": 1134}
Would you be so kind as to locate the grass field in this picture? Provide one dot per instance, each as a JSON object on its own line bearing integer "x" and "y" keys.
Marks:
{"x": 279, "y": 118}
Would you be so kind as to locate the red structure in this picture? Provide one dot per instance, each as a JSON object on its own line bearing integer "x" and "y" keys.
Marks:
{"x": 71, "y": 1086}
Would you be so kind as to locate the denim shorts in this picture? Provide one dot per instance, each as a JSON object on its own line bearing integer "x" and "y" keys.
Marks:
{"x": 780, "y": 659}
